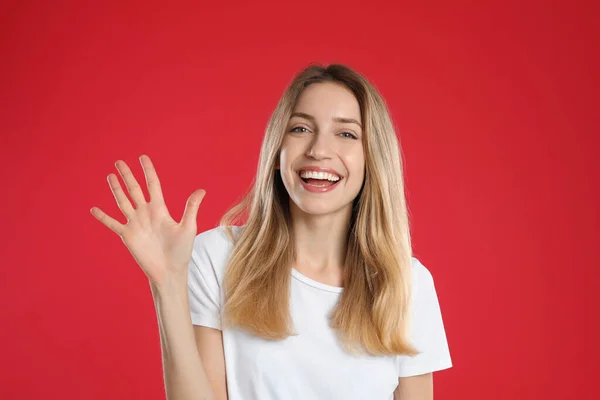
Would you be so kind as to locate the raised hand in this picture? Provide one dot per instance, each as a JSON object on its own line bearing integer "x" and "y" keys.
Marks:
{"x": 161, "y": 246}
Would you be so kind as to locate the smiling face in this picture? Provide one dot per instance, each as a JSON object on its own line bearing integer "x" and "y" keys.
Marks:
{"x": 322, "y": 160}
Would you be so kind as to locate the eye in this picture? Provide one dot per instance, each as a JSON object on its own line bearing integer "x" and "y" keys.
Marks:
{"x": 350, "y": 135}
{"x": 298, "y": 127}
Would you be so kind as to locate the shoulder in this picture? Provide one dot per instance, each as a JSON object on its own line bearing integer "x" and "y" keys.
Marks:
{"x": 215, "y": 241}
{"x": 215, "y": 238}
{"x": 427, "y": 331}
{"x": 424, "y": 294}
{"x": 212, "y": 249}
{"x": 421, "y": 276}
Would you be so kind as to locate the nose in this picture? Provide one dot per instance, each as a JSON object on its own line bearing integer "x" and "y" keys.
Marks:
{"x": 320, "y": 147}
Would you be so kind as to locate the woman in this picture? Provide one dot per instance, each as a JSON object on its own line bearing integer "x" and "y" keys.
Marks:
{"x": 316, "y": 295}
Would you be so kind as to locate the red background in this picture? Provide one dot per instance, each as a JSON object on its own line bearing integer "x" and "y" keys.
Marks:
{"x": 496, "y": 106}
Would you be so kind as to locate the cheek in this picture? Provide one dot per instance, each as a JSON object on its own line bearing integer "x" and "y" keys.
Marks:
{"x": 287, "y": 152}
{"x": 284, "y": 166}
{"x": 284, "y": 156}
{"x": 356, "y": 165}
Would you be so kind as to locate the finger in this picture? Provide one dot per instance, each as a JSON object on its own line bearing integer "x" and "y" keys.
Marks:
{"x": 120, "y": 196}
{"x": 133, "y": 187}
{"x": 152, "y": 181}
{"x": 191, "y": 208}
{"x": 111, "y": 223}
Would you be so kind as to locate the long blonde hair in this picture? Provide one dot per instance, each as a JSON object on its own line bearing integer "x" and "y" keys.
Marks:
{"x": 373, "y": 314}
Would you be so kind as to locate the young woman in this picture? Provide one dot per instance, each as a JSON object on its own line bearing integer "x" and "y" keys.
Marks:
{"x": 316, "y": 295}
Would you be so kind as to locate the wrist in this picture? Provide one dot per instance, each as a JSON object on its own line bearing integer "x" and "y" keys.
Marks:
{"x": 172, "y": 285}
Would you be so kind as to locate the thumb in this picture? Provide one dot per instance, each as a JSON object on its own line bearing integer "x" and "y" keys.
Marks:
{"x": 191, "y": 208}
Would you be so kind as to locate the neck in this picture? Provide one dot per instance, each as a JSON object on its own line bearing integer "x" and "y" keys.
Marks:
{"x": 320, "y": 240}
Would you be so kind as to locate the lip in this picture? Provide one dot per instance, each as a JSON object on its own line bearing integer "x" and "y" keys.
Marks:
{"x": 315, "y": 189}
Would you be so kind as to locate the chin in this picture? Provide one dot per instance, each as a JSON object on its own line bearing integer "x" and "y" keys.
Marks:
{"x": 320, "y": 207}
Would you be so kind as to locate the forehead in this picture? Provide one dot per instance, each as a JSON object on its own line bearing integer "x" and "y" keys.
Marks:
{"x": 326, "y": 100}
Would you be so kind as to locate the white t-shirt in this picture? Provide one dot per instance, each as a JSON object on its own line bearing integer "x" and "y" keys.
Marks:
{"x": 313, "y": 364}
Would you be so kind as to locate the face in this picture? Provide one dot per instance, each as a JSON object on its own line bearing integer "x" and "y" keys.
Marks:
{"x": 322, "y": 161}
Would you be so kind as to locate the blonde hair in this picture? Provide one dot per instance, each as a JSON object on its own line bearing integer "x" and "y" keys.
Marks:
{"x": 373, "y": 314}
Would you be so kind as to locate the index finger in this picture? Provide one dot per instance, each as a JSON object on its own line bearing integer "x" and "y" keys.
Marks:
{"x": 152, "y": 181}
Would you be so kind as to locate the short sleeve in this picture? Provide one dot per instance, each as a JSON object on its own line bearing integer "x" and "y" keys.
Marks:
{"x": 204, "y": 287}
{"x": 427, "y": 329}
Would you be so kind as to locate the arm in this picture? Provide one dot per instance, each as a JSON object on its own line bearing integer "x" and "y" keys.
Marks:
{"x": 210, "y": 347}
{"x": 419, "y": 387}
{"x": 162, "y": 247}
{"x": 184, "y": 374}
{"x": 428, "y": 336}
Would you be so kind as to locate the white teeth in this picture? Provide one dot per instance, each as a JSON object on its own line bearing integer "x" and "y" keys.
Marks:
{"x": 319, "y": 175}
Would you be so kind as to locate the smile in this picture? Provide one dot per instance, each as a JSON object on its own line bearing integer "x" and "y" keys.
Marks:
{"x": 319, "y": 181}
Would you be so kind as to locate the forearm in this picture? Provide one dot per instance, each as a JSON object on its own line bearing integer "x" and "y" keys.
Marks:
{"x": 418, "y": 387}
{"x": 183, "y": 372}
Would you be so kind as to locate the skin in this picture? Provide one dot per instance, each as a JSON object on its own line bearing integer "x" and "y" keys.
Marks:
{"x": 320, "y": 220}
{"x": 419, "y": 387}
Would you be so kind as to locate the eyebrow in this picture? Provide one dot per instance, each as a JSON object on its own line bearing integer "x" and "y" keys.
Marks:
{"x": 336, "y": 119}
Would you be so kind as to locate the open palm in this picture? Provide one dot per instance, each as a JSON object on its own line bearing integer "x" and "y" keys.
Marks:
{"x": 161, "y": 246}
